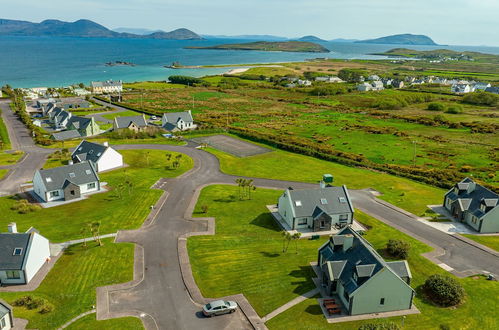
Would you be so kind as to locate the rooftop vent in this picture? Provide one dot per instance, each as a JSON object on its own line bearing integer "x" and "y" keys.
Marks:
{"x": 12, "y": 228}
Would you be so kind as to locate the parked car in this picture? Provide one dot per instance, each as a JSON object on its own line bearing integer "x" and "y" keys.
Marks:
{"x": 219, "y": 307}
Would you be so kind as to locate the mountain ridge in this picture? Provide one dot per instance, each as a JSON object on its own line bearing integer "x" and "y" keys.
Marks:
{"x": 401, "y": 39}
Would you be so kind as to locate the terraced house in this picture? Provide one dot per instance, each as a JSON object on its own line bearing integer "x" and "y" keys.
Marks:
{"x": 364, "y": 282}
{"x": 475, "y": 205}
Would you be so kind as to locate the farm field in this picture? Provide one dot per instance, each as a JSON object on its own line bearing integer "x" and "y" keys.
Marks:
{"x": 123, "y": 207}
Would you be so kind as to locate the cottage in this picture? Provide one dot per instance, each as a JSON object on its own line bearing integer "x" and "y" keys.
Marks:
{"x": 74, "y": 104}
{"x": 21, "y": 255}
{"x": 475, "y": 205}
{"x": 460, "y": 88}
{"x": 65, "y": 135}
{"x": 317, "y": 209}
{"x": 373, "y": 77}
{"x": 102, "y": 156}
{"x": 84, "y": 126}
{"x": 397, "y": 83}
{"x": 61, "y": 118}
{"x": 304, "y": 82}
{"x": 364, "y": 282}
{"x": 66, "y": 182}
{"x": 6, "y": 316}
{"x": 364, "y": 87}
{"x": 178, "y": 121}
{"x": 105, "y": 87}
{"x": 480, "y": 86}
{"x": 377, "y": 85}
{"x": 134, "y": 123}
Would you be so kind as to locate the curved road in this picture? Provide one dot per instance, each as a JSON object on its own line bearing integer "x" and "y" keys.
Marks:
{"x": 161, "y": 297}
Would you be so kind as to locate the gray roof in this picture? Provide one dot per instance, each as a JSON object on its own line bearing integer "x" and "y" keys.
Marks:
{"x": 494, "y": 90}
{"x": 124, "y": 122}
{"x": 174, "y": 117}
{"x": 88, "y": 151}
{"x": 401, "y": 268}
{"x": 361, "y": 259}
{"x": 79, "y": 122}
{"x": 4, "y": 308}
{"x": 62, "y": 115}
{"x": 8, "y": 242}
{"x": 106, "y": 83}
{"x": 327, "y": 199}
{"x": 66, "y": 135}
{"x": 55, "y": 178}
{"x": 471, "y": 195}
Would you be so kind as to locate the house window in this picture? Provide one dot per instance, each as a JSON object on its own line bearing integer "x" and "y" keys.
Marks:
{"x": 17, "y": 251}
{"x": 2, "y": 323}
{"x": 343, "y": 217}
{"x": 48, "y": 179}
{"x": 13, "y": 274}
{"x": 91, "y": 185}
{"x": 355, "y": 277}
{"x": 482, "y": 207}
{"x": 302, "y": 221}
{"x": 323, "y": 201}
{"x": 54, "y": 193}
{"x": 342, "y": 199}
{"x": 323, "y": 224}
{"x": 382, "y": 301}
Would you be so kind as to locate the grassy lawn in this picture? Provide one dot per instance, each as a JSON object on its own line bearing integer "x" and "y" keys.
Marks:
{"x": 3, "y": 173}
{"x": 126, "y": 113}
{"x": 114, "y": 212}
{"x": 248, "y": 247}
{"x": 404, "y": 193}
{"x": 89, "y": 322}
{"x": 70, "y": 286}
{"x": 478, "y": 311}
{"x": 10, "y": 158}
{"x": 4, "y": 135}
{"x": 490, "y": 241}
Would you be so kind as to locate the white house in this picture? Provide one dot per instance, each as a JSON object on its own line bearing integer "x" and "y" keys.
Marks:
{"x": 102, "y": 156}
{"x": 480, "y": 86}
{"x": 460, "y": 88}
{"x": 21, "y": 255}
{"x": 178, "y": 121}
{"x": 373, "y": 77}
{"x": 6, "y": 317}
{"x": 364, "y": 87}
{"x": 66, "y": 182}
{"x": 377, "y": 85}
{"x": 109, "y": 86}
{"x": 304, "y": 82}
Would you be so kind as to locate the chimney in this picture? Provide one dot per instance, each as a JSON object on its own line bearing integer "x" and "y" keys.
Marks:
{"x": 70, "y": 162}
{"x": 105, "y": 144}
{"x": 12, "y": 228}
{"x": 347, "y": 242}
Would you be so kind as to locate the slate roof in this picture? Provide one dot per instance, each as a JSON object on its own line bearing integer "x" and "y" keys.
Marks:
{"x": 361, "y": 258}
{"x": 4, "y": 308}
{"x": 494, "y": 90}
{"x": 469, "y": 198}
{"x": 66, "y": 135}
{"x": 311, "y": 198}
{"x": 79, "y": 122}
{"x": 89, "y": 151}
{"x": 401, "y": 268}
{"x": 8, "y": 242}
{"x": 63, "y": 115}
{"x": 124, "y": 122}
{"x": 174, "y": 117}
{"x": 106, "y": 83}
{"x": 83, "y": 173}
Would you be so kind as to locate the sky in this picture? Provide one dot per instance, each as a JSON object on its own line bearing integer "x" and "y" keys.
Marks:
{"x": 453, "y": 22}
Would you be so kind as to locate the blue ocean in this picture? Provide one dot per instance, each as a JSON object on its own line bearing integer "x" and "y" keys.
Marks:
{"x": 54, "y": 61}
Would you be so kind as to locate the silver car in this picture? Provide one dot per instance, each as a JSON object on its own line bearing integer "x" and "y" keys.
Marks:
{"x": 219, "y": 307}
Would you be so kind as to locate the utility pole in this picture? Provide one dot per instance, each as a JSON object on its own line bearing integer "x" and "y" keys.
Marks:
{"x": 227, "y": 125}
{"x": 414, "y": 157}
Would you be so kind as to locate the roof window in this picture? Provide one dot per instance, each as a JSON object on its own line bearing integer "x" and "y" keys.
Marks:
{"x": 98, "y": 155}
{"x": 342, "y": 199}
{"x": 91, "y": 152}
{"x": 323, "y": 201}
{"x": 72, "y": 175}
{"x": 48, "y": 179}
{"x": 297, "y": 203}
{"x": 88, "y": 172}
{"x": 17, "y": 251}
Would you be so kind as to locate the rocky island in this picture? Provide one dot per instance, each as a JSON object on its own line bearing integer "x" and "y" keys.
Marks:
{"x": 272, "y": 46}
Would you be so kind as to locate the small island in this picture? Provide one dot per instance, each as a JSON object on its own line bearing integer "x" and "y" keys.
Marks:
{"x": 119, "y": 63}
{"x": 269, "y": 46}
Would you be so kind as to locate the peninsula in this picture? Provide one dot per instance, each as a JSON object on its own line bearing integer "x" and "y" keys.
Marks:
{"x": 401, "y": 39}
{"x": 271, "y": 46}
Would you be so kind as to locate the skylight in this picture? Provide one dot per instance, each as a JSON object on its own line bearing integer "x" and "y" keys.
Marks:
{"x": 48, "y": 179}
{"x": 100, "y": 153}
{"x": 79, "y": 149}
{"x": 323, "y": 201}
{"x": 72, "y": 175}
{"x": 18, "y": 251}
{"x": 342, "y": 199}
{"x": 91, "y": 152}
{"x": 88, "y": 172}
{"x": 297, "y": 203}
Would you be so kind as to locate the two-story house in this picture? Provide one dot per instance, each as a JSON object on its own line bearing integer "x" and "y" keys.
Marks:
{"x": 102, "y": 156}
{"x": 178, "y": 121}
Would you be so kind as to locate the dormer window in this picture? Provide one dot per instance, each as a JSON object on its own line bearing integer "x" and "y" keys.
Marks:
{"x": 17, "y": 251}
{"x": 355, "y": 276}
{"x": 483, "y": 207}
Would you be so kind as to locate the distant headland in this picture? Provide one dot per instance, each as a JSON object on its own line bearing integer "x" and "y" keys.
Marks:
{"x": 401, "y": 39}
{"x": 271, "y": 46}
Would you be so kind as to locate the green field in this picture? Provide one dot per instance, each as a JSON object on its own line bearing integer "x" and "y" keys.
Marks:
{"x": 10, "y": 158}
{"x": 152, "y": 85}
{"x": 4, "y": 135}
{"x": 70, "y": 285}
{"x": 248, "y": 247}
{"x": 115, "y": 210}
{"x": 89, "y": 322}
{"x": 126, "y": 113}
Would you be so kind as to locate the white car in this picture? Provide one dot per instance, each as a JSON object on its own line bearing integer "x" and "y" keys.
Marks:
{"x": 219, "y": 307}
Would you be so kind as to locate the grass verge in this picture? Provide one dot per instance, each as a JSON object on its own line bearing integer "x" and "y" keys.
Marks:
{"x": 489, "y": 241}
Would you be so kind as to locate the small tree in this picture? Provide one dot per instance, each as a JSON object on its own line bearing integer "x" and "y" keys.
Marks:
{"x": 95, "y": 229}
{"x": 83, "y": 232}
{"x": 444, "y": 290}
{"x": 286, "y": 239}
{"x": 398, "y": 248}
{"x": 295, "y": 237}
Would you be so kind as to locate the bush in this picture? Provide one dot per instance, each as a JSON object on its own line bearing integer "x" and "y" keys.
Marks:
{"x": 47, "y": 308}
{"x": 481, "y": 98}
{"x": 186, "y": 80}
{"x": 379, "y": 326}
{"x": 398, "y": 248}
{"x": 23, "y": 207}
{"x": 444, "y": 290}
{"x": 436, "y": 106}
{"x": 454, "y": 109}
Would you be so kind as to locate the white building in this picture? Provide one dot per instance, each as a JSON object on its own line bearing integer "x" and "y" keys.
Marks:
{"x": 6, "y": 317}
{"x": 479, "y": 86}
{"x": 21, "y": 255}
{"x": 102, "y": 156}
{"x": 364, "y": 87}
{"x": 461, "y": 88}
{"x": 304, "y": 82}
{"x": 66, "y": 182}
{"x": 106, "y": 87}
{"x": 178, "y": 121}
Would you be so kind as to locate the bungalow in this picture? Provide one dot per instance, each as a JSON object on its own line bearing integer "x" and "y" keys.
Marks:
{"x": 134, "y": 123}
{"x": 61, "y": 119}
{"x": 494, "y": 90}
{"x": 329, "y": 79}
{"x": 304, "y": 82}
{"x": 365, "y": 283}
{"x": 397, "y": 83}
{"x": 178, "y": 121}
{"x": 66, "y": 182}
{"x": 84, "y": 126}
{"x": 75, "y": 104}
{"x": 377, "y": 85}
{"x": 21, "y": 255}
{"x": 475, "y": 205}
{"x": 109, "y": 86}
{"x": 102, "y": 156}
{"x": 65, "y": 135}
{"x": 6, "y": 317}
{"x": 316, "y": 209}
{"x": 373, "y": 77}
{"x": 460, "y": 88}
{"x": 364, "y": 87}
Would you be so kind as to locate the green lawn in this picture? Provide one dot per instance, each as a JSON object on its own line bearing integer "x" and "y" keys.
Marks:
{"x": 126, "y": 113}
{"x": 70, "y": 285}
{"x": 10, "y": 158}
{"x": 407, "y": 194}
{"x": 3, "y": 173}
{"x": 65, "y": 222}
{"x": 478, "y": 311}
{"x": 490, "y": 241}
{"x": 89, "y": 322}
{"x": 4, "y": 135}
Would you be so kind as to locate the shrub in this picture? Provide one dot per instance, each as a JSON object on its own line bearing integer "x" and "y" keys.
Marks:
{"x": 204, "y": 208}
{"x": 23, "y": 207}
{"x": 23, "y": 301}
{"x": 186, "y": 80}
{"x": 35, "y": 303}
{"x": 444, "y": 290}
{"x": 481, "y": 98}
{"x": 47, "y": 308}
{"x": 454, "y": 109}
{"x": 398, "y": 248}
{"x": 379, "y": 326}
{"x": 435, "y": 106}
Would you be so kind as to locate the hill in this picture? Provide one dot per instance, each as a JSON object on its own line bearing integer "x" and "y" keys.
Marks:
{"x": 401, "y": 39}
{"x": 311, "y": 39}
{"x": 82, "y": 28}
{"x": 269, "y": 46}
